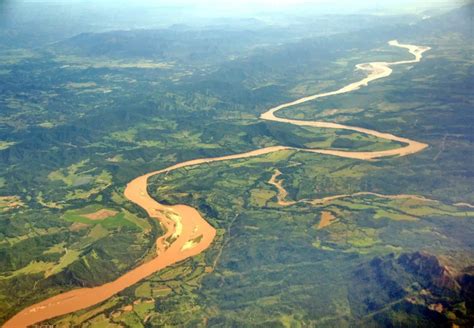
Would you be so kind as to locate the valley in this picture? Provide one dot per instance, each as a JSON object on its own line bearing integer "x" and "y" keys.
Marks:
{"x": 191, "y": 224}
{"x": 286, "y": 171}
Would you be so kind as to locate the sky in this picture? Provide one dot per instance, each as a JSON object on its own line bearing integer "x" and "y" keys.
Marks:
{"x": 261, "y": 9}
{"x": 325, "y": 6}
{"x": 400, "y": 4}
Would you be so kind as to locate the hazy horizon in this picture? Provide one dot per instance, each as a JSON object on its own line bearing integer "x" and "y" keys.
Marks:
{"x": 248, "y": 7}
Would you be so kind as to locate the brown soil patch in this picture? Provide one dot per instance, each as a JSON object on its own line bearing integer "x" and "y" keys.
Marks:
{"x": 100, "y": 214}
{"x": 9, "y": 202}
{"x": 438, "y": 307}
{"x": 78, "y": 226}
{"x": 326, "y": 219}
{"x": 127, "y": 308}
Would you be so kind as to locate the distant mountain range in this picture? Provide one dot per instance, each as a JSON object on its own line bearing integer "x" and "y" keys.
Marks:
{"x": 181, "y": 44}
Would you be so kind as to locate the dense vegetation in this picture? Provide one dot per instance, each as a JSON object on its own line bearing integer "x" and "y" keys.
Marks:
{"x": 82, "y": 117}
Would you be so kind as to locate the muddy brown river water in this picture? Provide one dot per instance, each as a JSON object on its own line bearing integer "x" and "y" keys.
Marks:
{"x": 183, "y": 224}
